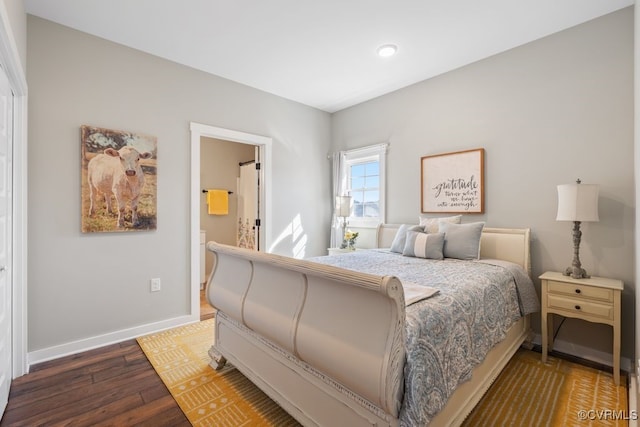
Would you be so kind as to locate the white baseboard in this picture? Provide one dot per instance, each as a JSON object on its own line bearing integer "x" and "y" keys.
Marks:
{"x": 90, "y": 343}
{"x": 586, "y": 353}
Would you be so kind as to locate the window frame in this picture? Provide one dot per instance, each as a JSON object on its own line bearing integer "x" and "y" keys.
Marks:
{"x": 364, "y": 155}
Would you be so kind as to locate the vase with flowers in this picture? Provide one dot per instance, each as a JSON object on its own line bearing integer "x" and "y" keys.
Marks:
{"x": 350, "y": 240}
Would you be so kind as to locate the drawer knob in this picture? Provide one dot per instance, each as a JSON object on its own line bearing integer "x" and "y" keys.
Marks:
{"x": 577, "y": 307}
{"x": 578, "y": 291}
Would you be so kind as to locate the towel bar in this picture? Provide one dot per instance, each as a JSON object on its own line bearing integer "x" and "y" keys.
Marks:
{"x": 206, "y": 191}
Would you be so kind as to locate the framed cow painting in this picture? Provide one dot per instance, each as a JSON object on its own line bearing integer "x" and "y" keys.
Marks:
{"x": 119, "y": 180}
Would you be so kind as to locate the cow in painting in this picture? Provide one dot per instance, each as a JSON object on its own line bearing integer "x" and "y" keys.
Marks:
{"x": 117, "y": 172}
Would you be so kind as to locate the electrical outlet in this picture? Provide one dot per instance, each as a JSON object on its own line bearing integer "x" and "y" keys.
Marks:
{"x": 155, "y": 285}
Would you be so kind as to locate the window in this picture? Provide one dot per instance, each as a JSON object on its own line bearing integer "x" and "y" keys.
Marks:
{"x": 364, "y": 182}
{"x": 364, "y": 179}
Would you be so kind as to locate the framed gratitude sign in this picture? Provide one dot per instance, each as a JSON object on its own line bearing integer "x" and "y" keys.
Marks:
{"x": 453, "y": 182}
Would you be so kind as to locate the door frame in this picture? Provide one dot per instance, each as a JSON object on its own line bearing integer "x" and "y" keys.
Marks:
{"x": 10, "y": 61}
{"x": 264, "y": 144}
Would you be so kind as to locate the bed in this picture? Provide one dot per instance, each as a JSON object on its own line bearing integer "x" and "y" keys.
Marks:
{"x": 334, "y": 346}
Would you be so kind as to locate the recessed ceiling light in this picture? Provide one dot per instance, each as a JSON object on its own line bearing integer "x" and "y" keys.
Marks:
{"x": 387, "y": 50}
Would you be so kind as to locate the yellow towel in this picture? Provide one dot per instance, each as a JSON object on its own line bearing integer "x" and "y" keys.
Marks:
{"x": 218, "y": 201}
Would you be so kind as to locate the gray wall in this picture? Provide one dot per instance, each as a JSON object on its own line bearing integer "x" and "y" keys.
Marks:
{"x": 18, "y": 23}
{"x": 549, "y": 112}
{"x": 86, "y": 285}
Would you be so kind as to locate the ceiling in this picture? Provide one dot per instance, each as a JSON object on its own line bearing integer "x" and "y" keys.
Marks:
{"x": 322, "y": 53}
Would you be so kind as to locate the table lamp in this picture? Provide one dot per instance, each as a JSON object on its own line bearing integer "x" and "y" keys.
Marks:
{"x": 343, "y": 209}
{"x": 578, "y": 203}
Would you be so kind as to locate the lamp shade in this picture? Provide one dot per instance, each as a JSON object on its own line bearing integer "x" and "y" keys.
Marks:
{"x": 343, "y": 206}
{"x": 578, "y": 202}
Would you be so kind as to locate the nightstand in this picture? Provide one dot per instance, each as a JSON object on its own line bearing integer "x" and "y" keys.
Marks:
{"x": 337, "y": 251}
{"x": 596, "y": 300}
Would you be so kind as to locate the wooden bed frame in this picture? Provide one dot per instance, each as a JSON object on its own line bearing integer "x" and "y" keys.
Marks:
{"x": 326, "y": 343}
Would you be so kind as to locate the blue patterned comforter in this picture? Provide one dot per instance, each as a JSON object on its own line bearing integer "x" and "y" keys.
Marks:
{"x": 449, "y": 333}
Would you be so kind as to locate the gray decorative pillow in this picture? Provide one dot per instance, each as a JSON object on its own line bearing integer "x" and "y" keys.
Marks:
{"x": 462, "y": 241}
{"x": 401, "y": 237}
{"x": 424, "y": 245}
{"x": 432, "y": 225}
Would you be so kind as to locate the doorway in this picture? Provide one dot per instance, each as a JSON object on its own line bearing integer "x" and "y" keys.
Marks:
{"x": 229, "y": 196}
{"x": 263, "y": 145}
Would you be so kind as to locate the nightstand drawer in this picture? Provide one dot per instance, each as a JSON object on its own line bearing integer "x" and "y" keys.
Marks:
{"x": 576, "y": 305}
{"x": 580, "y": 291}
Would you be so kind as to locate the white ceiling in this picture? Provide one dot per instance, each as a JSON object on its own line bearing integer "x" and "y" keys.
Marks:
{"x": 322, "y": 53}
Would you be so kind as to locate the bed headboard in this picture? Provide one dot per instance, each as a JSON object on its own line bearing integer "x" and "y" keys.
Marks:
{"x": 508, "y": 244}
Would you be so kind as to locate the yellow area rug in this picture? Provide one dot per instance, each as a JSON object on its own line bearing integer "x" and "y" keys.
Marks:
{"x": 527, "y": 392}
{"x": 208, "y": 397}
{"x": 558, "y": 393}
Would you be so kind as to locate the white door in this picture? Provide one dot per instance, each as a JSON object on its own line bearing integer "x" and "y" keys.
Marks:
{"x": 6, "y": 197}
{"x": 248, "y": 206}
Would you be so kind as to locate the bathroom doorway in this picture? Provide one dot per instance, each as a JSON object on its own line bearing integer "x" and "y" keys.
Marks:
{"x": 208, "y": 143}
{"x": 229, "y": 196}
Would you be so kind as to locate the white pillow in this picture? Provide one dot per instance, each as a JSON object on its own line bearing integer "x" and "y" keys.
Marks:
{"x": 432, "y": 225}
{"x": 424, "y": 245}
{"x": 462, "y": 241}
{"x": 401, "y": 237}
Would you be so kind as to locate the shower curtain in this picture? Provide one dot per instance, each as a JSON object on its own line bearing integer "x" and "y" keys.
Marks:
{"x": 247, "y": 205}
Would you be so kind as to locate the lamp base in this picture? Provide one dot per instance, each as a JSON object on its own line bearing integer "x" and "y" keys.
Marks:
{"x": 576, "y": 272}
{"x": 344, "y": 231}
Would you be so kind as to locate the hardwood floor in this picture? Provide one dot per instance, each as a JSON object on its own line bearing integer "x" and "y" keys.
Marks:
{"x": 206, "y": 311}
{"x": 109, "y": 386}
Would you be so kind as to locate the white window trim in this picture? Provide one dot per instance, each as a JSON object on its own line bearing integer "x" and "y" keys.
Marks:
{"x": 362, "y": 154}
